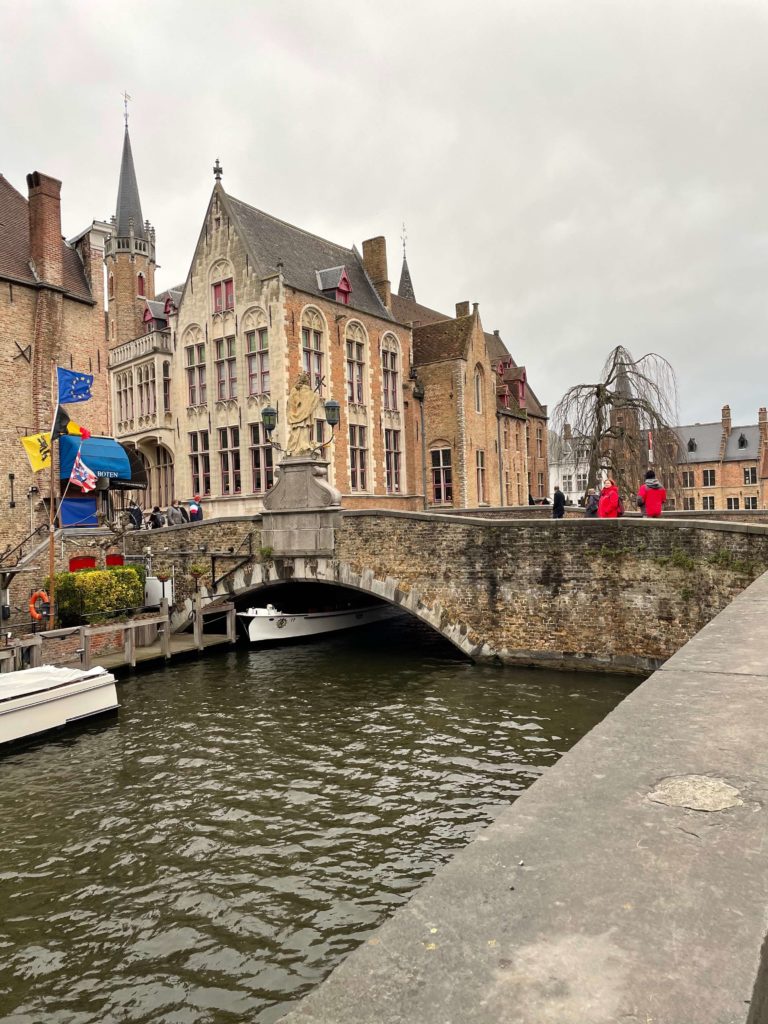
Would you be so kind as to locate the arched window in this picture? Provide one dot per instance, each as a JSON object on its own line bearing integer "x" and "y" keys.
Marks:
{"x": 111, "y": 286}
{"x": 257, "y": 351}
{"x": 124, "y": 385}
{"x": 145, "y": 378}
{"x": 479, "y": 384}
{"x": 222, "y": 287}
{"x": 390, "y": 372}
{"x": 195, "y": 366}
{"x": 162, "y": 483}
{"x": 356, "y": 361}
{"x": 166, "y": 386}
{"x": 141, "y": 285}
{"x": 313, "y": 354}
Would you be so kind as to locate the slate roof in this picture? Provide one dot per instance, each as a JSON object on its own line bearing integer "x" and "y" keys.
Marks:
{"x": 157, "y": 308}
{"x": 405, "y": 288}
{"x": 708, "y": 437}
{"x": 329, "y": 279}
{"x": 15, "y": 252}
{"x": 271, "y": 241}
{"x": 733, "y": 453}
{"x": 128, "y": 202}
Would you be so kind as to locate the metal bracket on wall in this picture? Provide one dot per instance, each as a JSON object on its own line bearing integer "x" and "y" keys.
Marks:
{"x": 25, "y": 353}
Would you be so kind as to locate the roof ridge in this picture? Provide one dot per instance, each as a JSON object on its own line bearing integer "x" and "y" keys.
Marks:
{"x": 294, "y": 227}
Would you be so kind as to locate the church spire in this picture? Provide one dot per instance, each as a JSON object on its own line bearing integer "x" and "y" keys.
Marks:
{"x": 128, "y": 202}
{"x": 405, "y": 288}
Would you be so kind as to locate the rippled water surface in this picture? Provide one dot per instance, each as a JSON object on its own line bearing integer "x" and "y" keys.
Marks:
{"x": 214, "y": 851}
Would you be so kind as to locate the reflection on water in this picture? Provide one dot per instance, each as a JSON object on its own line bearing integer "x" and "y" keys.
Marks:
{"x": 213, "y": 853}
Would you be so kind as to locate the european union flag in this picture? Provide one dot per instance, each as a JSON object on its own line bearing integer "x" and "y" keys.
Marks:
{"x": 74, "y": 386}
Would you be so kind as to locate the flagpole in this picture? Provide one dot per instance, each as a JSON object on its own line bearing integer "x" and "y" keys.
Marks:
{"x": 51, "y": 518}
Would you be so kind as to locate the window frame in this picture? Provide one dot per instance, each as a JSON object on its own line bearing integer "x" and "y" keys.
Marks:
{"x": 358, "y": 461}
{"x": 229, "y": 460}
{"x": 441, "y": 475}
{"x": 392, "y": 460}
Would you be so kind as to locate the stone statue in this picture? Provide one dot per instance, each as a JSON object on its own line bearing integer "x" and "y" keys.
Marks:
{"x": 302, "y": 403}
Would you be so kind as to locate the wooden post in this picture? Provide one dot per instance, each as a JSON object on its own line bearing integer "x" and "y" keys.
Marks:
{"x": 130, "y": 646}
{"x": 231, "y": 624}
{"x": 85, "y": 648}
{"x": 165, "y": 639}
{"x": 36, "y": 652}
{"x": 198, "y": 628}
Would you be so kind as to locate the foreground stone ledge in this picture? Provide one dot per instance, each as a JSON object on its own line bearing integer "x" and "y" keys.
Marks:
{"x": 601, "y": 895}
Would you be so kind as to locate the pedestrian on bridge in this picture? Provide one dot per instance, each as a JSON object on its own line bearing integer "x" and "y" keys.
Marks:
{"x": 558, "y": 503}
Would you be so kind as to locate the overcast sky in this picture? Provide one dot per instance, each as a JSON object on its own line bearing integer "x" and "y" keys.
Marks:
{"x": 592, "y": 172}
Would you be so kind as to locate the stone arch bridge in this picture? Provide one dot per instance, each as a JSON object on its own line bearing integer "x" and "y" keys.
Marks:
{"x": 619, "y": 595}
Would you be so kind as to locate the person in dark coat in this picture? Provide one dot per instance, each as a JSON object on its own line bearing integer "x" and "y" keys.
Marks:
{"x": 195, "y": 510}
{"x": 135, "y": 515}
{"x": 530, "y": 499}
{"x": 591, "y": 503}
{"x": 558, "y": 503}
{"x": 156, "y": 518}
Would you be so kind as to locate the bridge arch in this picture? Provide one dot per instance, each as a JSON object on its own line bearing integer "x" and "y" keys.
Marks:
{"x": 260, "y": 576}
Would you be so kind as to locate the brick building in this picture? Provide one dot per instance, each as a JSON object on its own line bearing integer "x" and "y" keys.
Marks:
{"x": 485, "y": 431}
{"x": 193, "y": 368}
{"x": 51, "y": 313}
{"x": 724, "y": 466}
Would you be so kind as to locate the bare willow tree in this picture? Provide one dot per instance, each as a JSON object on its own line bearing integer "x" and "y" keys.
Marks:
{"x": 624, "y": 422}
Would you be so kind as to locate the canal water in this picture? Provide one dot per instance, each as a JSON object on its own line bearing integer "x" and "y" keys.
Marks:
{"x": 214, "y": 851}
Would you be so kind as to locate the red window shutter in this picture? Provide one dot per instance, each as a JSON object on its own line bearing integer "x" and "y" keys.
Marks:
{"x": 229, "y": 287}
{"x": 217, "y": 306}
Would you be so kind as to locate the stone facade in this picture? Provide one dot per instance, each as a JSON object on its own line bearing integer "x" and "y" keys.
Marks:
{"x": 51, "y": 313}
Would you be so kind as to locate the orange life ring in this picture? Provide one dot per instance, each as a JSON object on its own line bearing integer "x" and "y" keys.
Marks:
{"x": 39, "y": 595}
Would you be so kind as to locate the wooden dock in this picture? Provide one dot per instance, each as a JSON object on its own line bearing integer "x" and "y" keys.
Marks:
{"x": 143, "y": 640}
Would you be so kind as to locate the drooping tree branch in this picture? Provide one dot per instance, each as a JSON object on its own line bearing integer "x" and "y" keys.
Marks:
{"x": 624, "y": 419}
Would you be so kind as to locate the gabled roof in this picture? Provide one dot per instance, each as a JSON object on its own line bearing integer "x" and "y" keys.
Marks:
{"x": 328, "y": 280}
{"x": 128, "y": 202}
{"x": 156, "y": 308}
{"x": 271, "y": 241}
{"x": 15, "y": 252}
{"x": 448, "y": 339}
{"x": 407, "y": 311}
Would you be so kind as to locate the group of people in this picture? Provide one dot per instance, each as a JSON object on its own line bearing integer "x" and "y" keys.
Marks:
{"x": 176, "y": 514}
{"x": 606, "y": 503}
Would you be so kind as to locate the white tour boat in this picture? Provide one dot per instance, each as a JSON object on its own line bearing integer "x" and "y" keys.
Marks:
{"x": 35, "y": 700}
{"x": 266, "y": 625}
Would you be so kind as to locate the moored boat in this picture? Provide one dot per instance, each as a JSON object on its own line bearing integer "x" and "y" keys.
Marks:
{"x": 268, "y": 625}
{"x": 36, "y": 700}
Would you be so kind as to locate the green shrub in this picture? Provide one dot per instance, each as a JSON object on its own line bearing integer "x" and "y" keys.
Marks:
{"x": 96, "y": 594}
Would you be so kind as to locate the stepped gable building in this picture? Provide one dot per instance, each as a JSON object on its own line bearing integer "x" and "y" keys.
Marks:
{"x": 264, "y": 301}
{"x": 485, "y": 431}
{"x": 51, "y": 313}
{"x": 724, "y": 466}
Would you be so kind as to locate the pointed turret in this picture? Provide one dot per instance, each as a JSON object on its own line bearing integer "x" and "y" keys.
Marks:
{"x": 405, "y": 288}
{"x": 128, "y": 202}
{"x": 129, "y": 256}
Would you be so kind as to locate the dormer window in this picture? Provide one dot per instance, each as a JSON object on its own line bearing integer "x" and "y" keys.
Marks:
{"x": 743, "y": 443}
{"x": 691, "y": 444}
{"x": 334, "y": 284}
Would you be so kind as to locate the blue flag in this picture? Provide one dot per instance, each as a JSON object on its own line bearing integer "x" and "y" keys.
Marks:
{"x": 74, "y": 386}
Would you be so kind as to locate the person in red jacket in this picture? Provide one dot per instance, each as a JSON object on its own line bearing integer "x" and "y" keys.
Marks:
{"x": 651, "y": 496}
{"x": 608, "y": 508}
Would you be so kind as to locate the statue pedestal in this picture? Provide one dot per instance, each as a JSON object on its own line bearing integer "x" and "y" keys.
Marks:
{"x": 302, "y": 509}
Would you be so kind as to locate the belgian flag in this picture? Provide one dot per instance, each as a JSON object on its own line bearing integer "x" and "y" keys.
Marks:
{"x": 62, "y": 424}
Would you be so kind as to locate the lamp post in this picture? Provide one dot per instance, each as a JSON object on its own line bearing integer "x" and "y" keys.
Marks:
{"x": 418, "y": 394}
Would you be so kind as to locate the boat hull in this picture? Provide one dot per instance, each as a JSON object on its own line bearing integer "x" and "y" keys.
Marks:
{"x": 35, "y": 701}
{"x": 278, "y": 627}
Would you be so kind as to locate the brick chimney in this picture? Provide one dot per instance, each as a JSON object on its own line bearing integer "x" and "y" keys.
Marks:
{"x": 762, "y": 422}
{"x": 462, "y": 309}
{"x": 726, "y": 419}
{"x": 375, "y": 263}
{"x": 45, "y": 227}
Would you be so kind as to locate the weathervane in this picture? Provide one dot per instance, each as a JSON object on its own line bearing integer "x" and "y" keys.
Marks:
{"x": 218, "y": 170}
{"x": 126, "y": 97}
